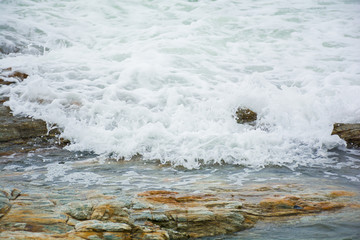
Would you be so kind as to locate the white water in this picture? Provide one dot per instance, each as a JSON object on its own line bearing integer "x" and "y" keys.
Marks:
{"x": 163, "y": 78}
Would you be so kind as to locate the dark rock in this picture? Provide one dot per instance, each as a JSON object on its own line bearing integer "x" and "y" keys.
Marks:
{"x": 245, "y": 115}
{"x": 19, "y": 75}
{"x": 350, "y": 132}
{"x": 22, "y": 129}
{"x": 11, "y": 76}
{"x": 14, "y": 194}
{"x": 24, "y": 134}
{"x": 3, "y": 82}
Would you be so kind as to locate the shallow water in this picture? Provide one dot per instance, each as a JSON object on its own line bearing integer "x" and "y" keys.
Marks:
{"x": 69, "y": 174}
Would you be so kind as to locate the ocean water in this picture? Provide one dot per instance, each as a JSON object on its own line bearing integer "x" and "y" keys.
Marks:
{"x": 164, "y": 78}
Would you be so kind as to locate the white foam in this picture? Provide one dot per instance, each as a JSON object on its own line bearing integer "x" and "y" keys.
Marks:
{"x": 164, "y": 78}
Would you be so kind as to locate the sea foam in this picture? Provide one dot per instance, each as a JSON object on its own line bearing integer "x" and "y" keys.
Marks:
{"x": 164, "y": 78}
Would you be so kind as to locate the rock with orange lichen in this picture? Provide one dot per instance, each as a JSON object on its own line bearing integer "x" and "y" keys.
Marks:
{"x": 157, "y": 215}
{"x": 115, "y": 211}
{"x": 290, "y": 205}
{"x": 200, "y": 215}
{"x": 188, "y": 214}
{"x": 336, "y": 194}
{"x": 151, "y": 232}
{"x": 101, "y": 226}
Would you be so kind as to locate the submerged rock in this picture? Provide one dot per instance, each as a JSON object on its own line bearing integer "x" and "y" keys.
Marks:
{"x": 350, "y": 132}
{"x": 245, "y": 115}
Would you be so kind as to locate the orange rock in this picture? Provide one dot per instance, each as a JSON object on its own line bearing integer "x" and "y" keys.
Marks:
{"x": 159, "y": 196}
{"x": 155, "y": 192}
{"x": 271, "y": 203}
{"x": 336, "y": 194}
{"x": 326, "y": 206}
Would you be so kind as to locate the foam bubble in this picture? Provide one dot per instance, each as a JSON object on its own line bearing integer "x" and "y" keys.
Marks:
{"x": 163, "y": 79}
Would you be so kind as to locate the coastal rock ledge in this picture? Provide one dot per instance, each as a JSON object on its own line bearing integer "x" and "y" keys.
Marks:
{"x": 21, "y": 133}
{"x": 155, "y": 214}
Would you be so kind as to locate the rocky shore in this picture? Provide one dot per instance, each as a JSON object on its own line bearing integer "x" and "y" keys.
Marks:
{"x": 156, "y": 214}
{"x": 95, "y": 199}
{"x": 20, "y": 133}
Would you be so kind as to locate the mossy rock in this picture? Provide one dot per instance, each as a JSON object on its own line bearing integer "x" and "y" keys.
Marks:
{"x": 245, "y": 115}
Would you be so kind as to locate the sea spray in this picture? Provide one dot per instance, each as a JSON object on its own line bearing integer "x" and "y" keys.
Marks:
{"x": 164, "y": 79}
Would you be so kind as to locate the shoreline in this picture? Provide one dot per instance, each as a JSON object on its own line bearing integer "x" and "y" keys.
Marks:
{"x": 56, "y": 198}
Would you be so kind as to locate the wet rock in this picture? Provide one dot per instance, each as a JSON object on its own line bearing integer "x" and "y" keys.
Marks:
{"x": 187, "y": 214}
{"x": 163, "y": 214}
{"x": 8, "y": 76}
{"x": 23, "y": 134}
{"x": 245, "y": 115}
{"x": 72, "y": 221}
{"x": 111, "y": 210}
{"x": 114, "y": 211}
{"x": 4, "y": 205}
{"x": 14, "y": 194}
{"x": 290, "y": 205}
{"x": 20, "y": 128}
{"x": 19, "y": 133}
{"x": 156, "y": 235}
{"x": 80, "y": 210}
{"x": 151, "y": 232}
{"x": 19, "y": 75}
{"x": 336, "y": 194}
{"x": 349, "y": 132}
{"x": 26, "y": 235}
{"x": 3, "y": 82}
{"x": 33, "y": 214}
{"x": 99, "y": 226}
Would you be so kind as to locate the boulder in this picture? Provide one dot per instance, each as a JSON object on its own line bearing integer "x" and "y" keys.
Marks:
{"x": 23, "y": 134}
{"x": 245, "y": 115}
{"x": 350, "y": 132}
